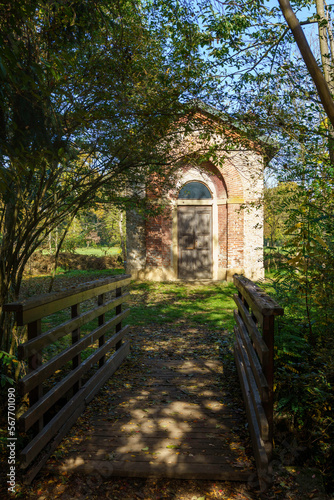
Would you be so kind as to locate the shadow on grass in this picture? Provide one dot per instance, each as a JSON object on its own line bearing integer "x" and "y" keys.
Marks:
{"x": 160, "y": 303}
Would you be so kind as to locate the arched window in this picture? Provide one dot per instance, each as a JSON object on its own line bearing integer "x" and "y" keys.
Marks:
{"x": 194, "y": 191}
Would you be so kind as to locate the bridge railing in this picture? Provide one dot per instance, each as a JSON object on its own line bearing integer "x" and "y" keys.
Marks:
{"x": 254, "y": 358}
{"x": 56, "y": 403}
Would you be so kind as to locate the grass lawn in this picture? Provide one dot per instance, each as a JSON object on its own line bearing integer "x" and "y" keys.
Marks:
{"x": 98, "y": 251}
{"x": 210, "y": 305}
{"x": 95, "y": 251}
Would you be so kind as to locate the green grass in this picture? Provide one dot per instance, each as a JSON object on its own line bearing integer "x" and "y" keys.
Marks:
{"x": 92, "y": 274}
{"x": 159, "y": 303}
{"x": 98, "y": 251}
{"x": 210, "y": 306}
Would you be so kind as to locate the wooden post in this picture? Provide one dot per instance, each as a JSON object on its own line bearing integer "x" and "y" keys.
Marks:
{"x": 118, "y": 311}
{"x": 101, "y": 321}
{"x": 75, "y": 311}
{"x": 268, "y": 369}
{"x": 34, "y": 361}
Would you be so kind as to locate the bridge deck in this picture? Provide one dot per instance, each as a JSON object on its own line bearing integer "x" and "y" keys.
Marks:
{"x": 174, "y": 421}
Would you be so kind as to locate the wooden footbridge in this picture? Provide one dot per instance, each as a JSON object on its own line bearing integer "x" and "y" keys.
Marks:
{"x": 179, "y": 423}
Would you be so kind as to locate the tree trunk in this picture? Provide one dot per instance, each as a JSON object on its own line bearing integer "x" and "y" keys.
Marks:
{"x": 121, "y": 233}
{"x": 325, "y": 42}
{"x": 309, "y": 59}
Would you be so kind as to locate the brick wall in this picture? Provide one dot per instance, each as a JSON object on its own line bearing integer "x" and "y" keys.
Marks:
{"x": 222, "y": 236}
{"x": 159, "y": 240}
{"x": 235, "y": 179}
{"x": 235, "y": 221}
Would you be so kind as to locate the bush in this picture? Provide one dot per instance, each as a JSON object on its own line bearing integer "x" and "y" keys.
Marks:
{"x": 44, "y": 264}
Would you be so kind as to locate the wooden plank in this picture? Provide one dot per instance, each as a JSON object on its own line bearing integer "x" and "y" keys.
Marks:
{"x": 256, "y": 367}
{"x": 259, "y": 301}
{"x": 24, "y": 350}
{"x": 253, "y": 390}
{"x": 268, "y": 369}
{"x": 94, "y": 384}
{"x": 257, "y": 442}
{"x": 202, "y": 434}
{"x": 259, "y": 344}
{"x": 52, "y": 396}
{"x": 176, "y": 471}
{"x": 197, "y": 389}
{"x": 49, "y": 368}
{"x": 45, "y": 305}
{"x": 185, "y": 412}
{"x": 164, "y": 457}
{"x": 76, "y": 360}
{"x": 158, "y": 456}
{"x": 118, "y": 311}
{"x": 34, "y": 362}
{"x": 40, "y": 441}
{"x": 203, "y": 445}
{"x": 207, "y": 421}
{"x": 197, "y": 365}
{"x": 101, "y": 320}
{"x": 165, "y": 427}
{"x": 165, "y": 394}
{"x": 80, "y": 399}
{"x": 52, "y": 446}
{"x": 39, "y": 300}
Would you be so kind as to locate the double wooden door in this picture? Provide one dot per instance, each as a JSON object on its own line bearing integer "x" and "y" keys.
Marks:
{"x": 195, "y": 242}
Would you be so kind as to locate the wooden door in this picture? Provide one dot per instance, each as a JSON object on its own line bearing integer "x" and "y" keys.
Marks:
{"x": 195, "y": 242}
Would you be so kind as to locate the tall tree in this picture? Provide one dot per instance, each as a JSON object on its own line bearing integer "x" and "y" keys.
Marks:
{"x": 88, "y": 96}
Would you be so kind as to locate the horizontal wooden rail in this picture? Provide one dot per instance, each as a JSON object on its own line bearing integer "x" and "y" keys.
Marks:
{"x": 44, "y": 305}
{"x": 48, "y": 369}
{"x": 254, "y": 358}
{"x": 54, "y": 407}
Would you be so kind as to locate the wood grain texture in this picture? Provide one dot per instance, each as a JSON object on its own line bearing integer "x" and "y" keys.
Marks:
{"x": 259, "y": 301}
{"x": 163, "y": 430}
{"x": 46, "y": 304}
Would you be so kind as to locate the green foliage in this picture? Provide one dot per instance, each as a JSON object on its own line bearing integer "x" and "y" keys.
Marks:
{"x": 305, "y": 339}
{"x": 89, "y": 93}
{"x": 304, "y": 389}
{"x": 7, "y": 361}
{"x": 276, "y": 203}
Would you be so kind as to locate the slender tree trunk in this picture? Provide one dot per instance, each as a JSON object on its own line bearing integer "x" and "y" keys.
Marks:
{"x": 325, "y": 43}
{"x": 58, "y": 248}
{"x": 309, "y": 59}
{"x": 56, "y": 239}
{"x": 122, "y": 235}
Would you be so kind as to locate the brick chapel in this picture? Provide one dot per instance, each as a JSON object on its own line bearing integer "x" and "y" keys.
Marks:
{"x": 213, "y": 226}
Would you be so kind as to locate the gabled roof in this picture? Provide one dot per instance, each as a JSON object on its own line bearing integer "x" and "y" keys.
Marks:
{"x": 267, "y": 147}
